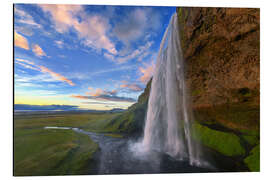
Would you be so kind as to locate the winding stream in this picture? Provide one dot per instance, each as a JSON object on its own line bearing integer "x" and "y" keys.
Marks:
{"x": 120, "y": 156}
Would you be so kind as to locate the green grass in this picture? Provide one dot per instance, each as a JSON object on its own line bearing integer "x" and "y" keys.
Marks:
{"x": 39, "y": 151}
{"x": 253, "y": 160}
{"x": 236, "y": 116}
{"x": 226, "y": 143}
{"x": 95, "y": 121}
{"x": 52, "y": 152}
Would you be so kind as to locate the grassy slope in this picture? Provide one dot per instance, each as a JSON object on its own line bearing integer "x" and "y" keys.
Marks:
{"x": 225, "y": 143}
{"x": 231, "y": 129}
{"x": 253, "y": 160}
{"x": 52, "y": 152}
{"x": 41, "y": 151}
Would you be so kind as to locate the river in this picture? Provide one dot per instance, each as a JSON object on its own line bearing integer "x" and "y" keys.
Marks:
{"x": 117, "y": 156}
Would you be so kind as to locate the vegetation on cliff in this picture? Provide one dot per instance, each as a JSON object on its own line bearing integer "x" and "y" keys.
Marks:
{"x": 221, "y": 50}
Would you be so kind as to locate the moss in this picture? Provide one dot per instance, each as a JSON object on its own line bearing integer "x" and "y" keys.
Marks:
{"x": 243, "y": 117}
{"x": 251, "y": 140}
{"x": 226, "y": 143}
{"x": 196, "y": 92}
{"x": 253, "y": 160}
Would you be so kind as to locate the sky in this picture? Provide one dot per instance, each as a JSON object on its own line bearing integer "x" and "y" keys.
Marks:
{"x": 85, "y": 56}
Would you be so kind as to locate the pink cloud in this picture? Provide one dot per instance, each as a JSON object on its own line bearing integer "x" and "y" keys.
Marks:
{"x": 31, "y": 65}
{"x": 105, "y": 98}
{"x": 20, "y": 41}
{"x": 38, "y": 50}
{"x": 56, "y": 75}
{"x": 100, "y": 92}
{"x": 131, "y": 86}
{"x": 147, "y": 72}
{"x": 91, "y": 29}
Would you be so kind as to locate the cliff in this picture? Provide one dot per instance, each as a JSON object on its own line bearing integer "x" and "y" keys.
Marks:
{"x": 221, "y": 48}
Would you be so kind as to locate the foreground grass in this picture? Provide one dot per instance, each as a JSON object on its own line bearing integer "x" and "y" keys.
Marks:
{"x": 253, "y": 160}
{"x": 39, "y": 151}
{"x": 52, "y": 152}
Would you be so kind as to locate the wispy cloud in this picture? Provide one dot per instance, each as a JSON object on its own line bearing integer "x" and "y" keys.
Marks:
{"x": 38, "y": 50}
{"x": 25, "y": 18}
{"x": 27, "y": 66}
{"x": 119, "y": 68}
{"x": 102, "y": 103}
{"x": 136, "y": 24}
{"x": 147, "y": 72}
{"x": 59, "y": 43}
{"x": 31, "y": 65}
{"x": 131, "y": 86}
{"x": 56, "y": 75}
{"x": 103, "y": 95}
{"x": 139, "y": 53}
{"x": 20, "y": 41}
{"x": 90, "y": 28}
{"x": 105, "y": 98}
{"x": 100, "y": 92}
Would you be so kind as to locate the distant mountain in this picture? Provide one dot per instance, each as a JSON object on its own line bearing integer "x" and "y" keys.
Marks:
{"x": 53, "y": 108}
{"x": 28, "y": 107}
{"x": 116, "y": 110}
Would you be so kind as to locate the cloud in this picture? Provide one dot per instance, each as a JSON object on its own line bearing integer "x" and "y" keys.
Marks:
{"x": 147, "y": 72}
{"x": 56, "y": 75}
{"x": 105, "y": 98}
{"x": 23, "y": 30}
{"x": 109, "y": 56}
{"x": 31, "y": 65}
{"x": 132, "y": 26}
{"x": 119, "y": 68}
{"x": 38, "y": 50}
{"x": 103, "y": 95}
{"x": 131, "y": 86}
{"x": 25, "y": 18}
{"x": 136, "y": 24}
{"x": 100, "y": 92}
{"x": 90, "y": 28}
{"x": 106, "y": 103}
{"x": 27, "y": 66}
{"x": 59, "y": 43}
{"x": 140, "y": 53}
{"x": 20, "y": 41}
{"x": 28, "y": 107}
{"x": 25, "y": 61}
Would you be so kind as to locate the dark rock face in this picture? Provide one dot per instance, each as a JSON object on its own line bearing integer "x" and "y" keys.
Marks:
{"x": 221, "y": 47}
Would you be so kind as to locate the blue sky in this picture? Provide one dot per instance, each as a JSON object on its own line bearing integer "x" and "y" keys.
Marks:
{"x": 93, "y": 57}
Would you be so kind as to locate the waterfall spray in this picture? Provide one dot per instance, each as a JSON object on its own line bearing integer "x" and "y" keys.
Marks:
{"x": 167, "y": 126}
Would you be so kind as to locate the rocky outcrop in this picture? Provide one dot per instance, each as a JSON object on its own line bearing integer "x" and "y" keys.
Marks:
{"x": 221, "y": 48}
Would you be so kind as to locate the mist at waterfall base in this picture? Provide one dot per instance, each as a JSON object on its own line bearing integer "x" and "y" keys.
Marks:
{"x": 168, "y": 121}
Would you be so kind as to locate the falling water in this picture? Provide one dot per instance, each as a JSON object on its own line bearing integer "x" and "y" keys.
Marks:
{"x": 168, "y": 121}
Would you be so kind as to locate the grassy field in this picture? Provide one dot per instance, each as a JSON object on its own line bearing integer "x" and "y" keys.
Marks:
{"x": 39, "y": 151}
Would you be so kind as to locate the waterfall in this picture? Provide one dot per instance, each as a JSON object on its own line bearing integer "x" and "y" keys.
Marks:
{"x": 167, "y": 126}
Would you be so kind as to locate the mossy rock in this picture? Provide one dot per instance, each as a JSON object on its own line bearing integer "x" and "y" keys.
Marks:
{"x": 251, "y": 140}
{"x": 225, "y": 143}
{"x": 253, "y": 160}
